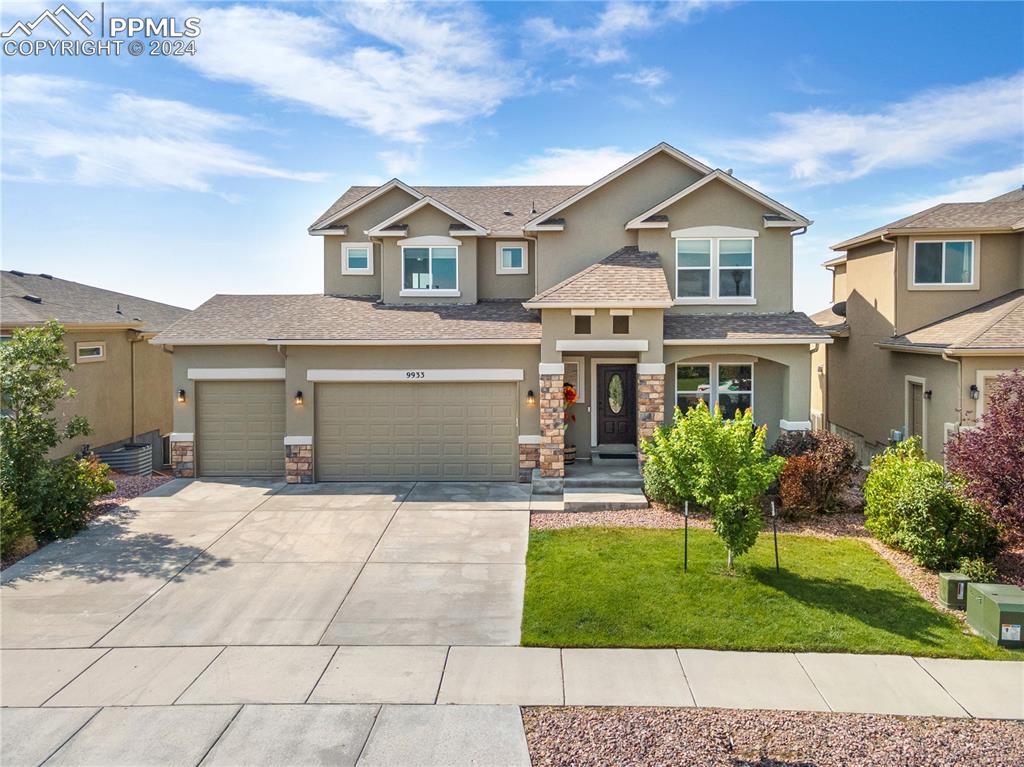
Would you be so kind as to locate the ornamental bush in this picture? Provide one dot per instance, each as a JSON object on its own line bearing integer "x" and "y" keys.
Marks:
{"x": 822, "y": 465}
{"x": 913, "y": 505}
{"x": 977, "y": 570}
{"x": 990, "y": 457}
{"x": 721, "y": 464}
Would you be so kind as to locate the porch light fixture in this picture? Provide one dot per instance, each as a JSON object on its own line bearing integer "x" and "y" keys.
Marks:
{"x": 530, "y": 398}
{"x": 181, "y": 396}
{"x": 928, "y": 394}
{"x": 974, "y": 391}
{"x": 298, "y": 397}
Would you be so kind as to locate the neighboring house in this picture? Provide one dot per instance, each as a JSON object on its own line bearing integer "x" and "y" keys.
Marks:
{"x": 452, "y": 316}
{"x": 927, "y": 311}
{"x": 123, "y": 385}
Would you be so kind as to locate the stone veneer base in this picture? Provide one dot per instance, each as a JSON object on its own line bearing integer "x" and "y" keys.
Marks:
{"x": 183, "y": 459}
{"x": 298, "y": 464}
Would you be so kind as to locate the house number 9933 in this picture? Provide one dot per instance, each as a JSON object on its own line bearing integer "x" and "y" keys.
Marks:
{"x": 415, "y": 374}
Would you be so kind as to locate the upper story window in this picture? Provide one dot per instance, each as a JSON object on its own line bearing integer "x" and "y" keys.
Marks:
{"x": 357, "y": 258}
{"x": 430, "y": 270}
{"x": 943, "y": 262}
{"x": 90, "y": 351}
{"x": 512, "y": 258}
{"x": 581, "y": 324}
{"x": 715, "y": 270}
{"x": 730, "y": 385}
{"x": 620, "y": 324}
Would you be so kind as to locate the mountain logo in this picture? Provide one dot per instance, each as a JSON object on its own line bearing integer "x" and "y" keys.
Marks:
{"x": 54, "y": 17}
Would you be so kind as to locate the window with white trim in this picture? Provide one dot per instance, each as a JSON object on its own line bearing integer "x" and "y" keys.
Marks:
{"x": 943, "y": 262}
{"x": 715, "y": 269}
{"x": 90, "y": 351}
{"x": 730, "y": 385}
{"x": 512, "y": 258}
{"x": 357, "y": 258}
{"x": 431, "y": 268}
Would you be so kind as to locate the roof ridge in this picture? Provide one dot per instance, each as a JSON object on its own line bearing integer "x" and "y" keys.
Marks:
{"x": 1011, "y": 305}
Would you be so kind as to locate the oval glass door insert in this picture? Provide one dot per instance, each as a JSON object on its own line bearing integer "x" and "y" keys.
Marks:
{"x": 615, "y": 394}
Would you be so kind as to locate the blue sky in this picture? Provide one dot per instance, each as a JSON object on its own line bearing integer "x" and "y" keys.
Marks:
{"x": 178, "y": 178}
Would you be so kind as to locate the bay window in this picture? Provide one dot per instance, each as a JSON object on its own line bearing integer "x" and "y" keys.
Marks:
{"x": 430, "y": 269}
{"x": 715, "y": 270}
{"x": 943, "y": 262}
{"x": 727, "y": 384}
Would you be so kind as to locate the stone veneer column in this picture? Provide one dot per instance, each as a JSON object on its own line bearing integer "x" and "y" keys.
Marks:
{"x": 183, "y": 455}
{"x": 552, "y": 420}
{"x": 529, "y": 459}
{"x": 298, "y": 460}
{"x": 650, "y": 401}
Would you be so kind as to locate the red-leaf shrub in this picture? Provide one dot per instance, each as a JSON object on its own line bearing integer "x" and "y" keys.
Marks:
{"x": 821, "y": 466}
{"x": 990, "y": 457}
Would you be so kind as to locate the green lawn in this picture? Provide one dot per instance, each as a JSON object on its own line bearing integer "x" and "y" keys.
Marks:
{"x": 607, "y": 587}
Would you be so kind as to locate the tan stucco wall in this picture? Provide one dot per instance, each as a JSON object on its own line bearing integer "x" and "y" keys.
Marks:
{"x": 429, "y": 221}
{"x": 718, "y": 204}
{"x": 998, "y": 266}
{"x": 360, "y": 221}
{"x": 839, "y": 284}
{"x": 969, "y": 375}
{"x": 594, "y": 226}
{"x": 645, "y": 324}
{"x": 490, "y": 284}
{"x": 819, "y": 382}
{"x": 299, "y": 359}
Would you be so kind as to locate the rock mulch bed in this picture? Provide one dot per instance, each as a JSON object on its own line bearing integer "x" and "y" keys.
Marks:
{"x": 653, "y": 737}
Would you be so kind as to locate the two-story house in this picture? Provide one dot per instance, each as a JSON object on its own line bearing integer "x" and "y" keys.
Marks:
{"x": 452, "y": 317}
{"x": 927, "y": 311}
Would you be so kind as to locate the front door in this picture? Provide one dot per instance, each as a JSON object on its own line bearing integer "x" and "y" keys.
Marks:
{"x": 616, "y": 404}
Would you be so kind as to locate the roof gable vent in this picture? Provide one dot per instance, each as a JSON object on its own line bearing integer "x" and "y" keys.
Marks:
{"x": 508, "y": 212}
{"x": 33, "y": 299}
{"x": 118, "y": 310}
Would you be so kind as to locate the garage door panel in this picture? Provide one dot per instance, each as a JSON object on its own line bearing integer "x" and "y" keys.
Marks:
{"x": 426, "y": 431}
{"x": 240, "y": 428}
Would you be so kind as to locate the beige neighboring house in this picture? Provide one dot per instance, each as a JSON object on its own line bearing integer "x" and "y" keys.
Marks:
{"x": 123, "y": 384}
{"x": 927, "y": 311}
{"x": 452, "y": 316}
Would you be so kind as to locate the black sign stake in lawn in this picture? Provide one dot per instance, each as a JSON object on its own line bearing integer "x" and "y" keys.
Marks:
{"x": 686, "y": 533}
{"x": 775, "y": 535}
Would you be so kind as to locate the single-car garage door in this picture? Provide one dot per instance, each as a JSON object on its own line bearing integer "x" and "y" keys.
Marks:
{"x": 423, "y": 431}
{"x": 240, "y": 428}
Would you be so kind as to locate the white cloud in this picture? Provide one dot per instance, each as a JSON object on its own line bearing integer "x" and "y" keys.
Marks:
{"x": 61, "y": 129}
{"x": 603, "y": 40}
{"x": 821, "y": 146}
{"x": 566, "y": 166}
{"x": 652, "y": 77}
{"x": 976, "y": 188}
{"x": 399, "y": 163}
{"x": 391, "y": 68}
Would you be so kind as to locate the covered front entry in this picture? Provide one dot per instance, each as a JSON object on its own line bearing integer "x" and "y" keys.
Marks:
{"x": 416, "y": 431}
{"x": 240, "y": 428}
{"x": 615, "y": 403}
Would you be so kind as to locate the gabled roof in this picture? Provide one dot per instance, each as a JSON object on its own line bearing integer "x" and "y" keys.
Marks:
{"x": 387, "y": 225}
{"x": 996, "y": 325}
{"x": 1004, "y": 213}
{"x": 720, "y": 175}
{"x": 659, "y": 149}
{"x": 832, "y": 320}
{"x": 628, "y": 277}
{"x": 31, "y": 299}
{"x": 312, "y": 319}
{"x": 762, "y": 327}
{"x": 355, "y": 198}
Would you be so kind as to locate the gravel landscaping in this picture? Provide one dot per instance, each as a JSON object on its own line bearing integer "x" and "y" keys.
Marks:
{"x": 721, "y": 738}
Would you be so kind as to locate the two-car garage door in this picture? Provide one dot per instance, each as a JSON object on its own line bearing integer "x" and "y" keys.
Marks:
{"x": 240, "y": 428}
{"x": 423, "y": 431}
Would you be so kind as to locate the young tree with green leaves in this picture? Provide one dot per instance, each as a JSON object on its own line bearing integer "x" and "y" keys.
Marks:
{"x": 721, "y": 464}
{"x": 48, "y": 499}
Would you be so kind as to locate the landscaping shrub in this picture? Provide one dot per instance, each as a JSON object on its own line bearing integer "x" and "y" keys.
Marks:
{"x": 913, "y": 505}
{"x": 978, "y": 570}
{"x": 48, "y": 498}
{"x": 657, "y": 487}
{"x": 721, "y": 464}
{"x": 990, "y": 457}
{"x": 821, "y": 467}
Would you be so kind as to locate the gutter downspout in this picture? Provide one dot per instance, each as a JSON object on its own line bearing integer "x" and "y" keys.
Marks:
{"x": 536, "y": 258}
{"x": 895, "y": 279}
{"x": 959, "y": 394}
{"x": 134, "y": 338}
{"x": 794, "y": 233}
{"x": 379, "y": 241}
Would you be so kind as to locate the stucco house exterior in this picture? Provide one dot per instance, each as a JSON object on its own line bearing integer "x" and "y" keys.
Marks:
{"x": 452, "y": 317}
{"x": 927, "y": 311}
{"x": 123, "y": 384}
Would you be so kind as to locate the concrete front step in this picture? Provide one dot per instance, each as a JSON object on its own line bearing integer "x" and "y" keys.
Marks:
{"x": 608, "y": 481}
{"x": 604, "y": 499}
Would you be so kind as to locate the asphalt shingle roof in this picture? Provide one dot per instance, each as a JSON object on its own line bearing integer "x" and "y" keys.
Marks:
{"x": 486, "y": 205}
{"x": 231, "y": 318}
{"x": 1003, "y": 212}
{"x": 829, "y": 320}
{"x": 731, "y": 327}
{"x": 627, "y": 276}
{"x": 72, "y": 303}
{"x": 995, "y": 324}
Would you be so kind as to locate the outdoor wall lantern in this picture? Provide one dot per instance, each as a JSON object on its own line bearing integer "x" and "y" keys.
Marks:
{"x": 974, "y": 391}
{"x": 298, "y": 397}
{"x": 181, "y": 396}
{"x": 928, "y": 394}
{"x": 530, "y": 398}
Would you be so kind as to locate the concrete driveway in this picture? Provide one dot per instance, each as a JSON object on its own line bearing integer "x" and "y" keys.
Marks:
{"x": 202, "y": 563}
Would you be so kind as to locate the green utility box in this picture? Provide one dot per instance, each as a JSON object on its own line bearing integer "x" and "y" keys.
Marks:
{"x": 996, "y": 612}
{"x": 953, "y": 590}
